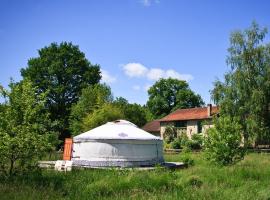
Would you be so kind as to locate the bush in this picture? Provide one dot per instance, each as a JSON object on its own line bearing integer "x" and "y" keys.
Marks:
{"x": 223, "y": 142}
{"x": 186, "y": 159}
{"x": 195, "y": 143}
{"x": 176, "y": 143}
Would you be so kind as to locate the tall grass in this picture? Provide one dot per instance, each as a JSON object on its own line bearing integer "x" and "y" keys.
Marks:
{"x": 249, "y": 179}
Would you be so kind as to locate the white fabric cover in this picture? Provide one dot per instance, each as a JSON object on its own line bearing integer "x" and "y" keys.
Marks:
{"x": 120, "y": 129}
{"x": 118, "y": 143}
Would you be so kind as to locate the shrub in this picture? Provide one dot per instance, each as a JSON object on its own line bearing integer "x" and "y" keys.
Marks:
{"x": 198, "y": 138}
{"x": 195, "y": 143}
{"x": 223, "y": 142}
{"x": 176, "y": 143}
{"x": 186, "y": 159}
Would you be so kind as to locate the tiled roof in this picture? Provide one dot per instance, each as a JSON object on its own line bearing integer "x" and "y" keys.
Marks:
{"x": 190, "y": 114}
{"x": 153, "y": 126}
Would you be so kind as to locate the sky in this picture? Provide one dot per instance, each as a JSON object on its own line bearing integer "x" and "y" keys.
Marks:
{"x": 135, "y": 42}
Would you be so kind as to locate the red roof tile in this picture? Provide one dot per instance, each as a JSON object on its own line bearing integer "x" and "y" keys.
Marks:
{"x": 190, "y": 114}
{"x": 153, "y": 126}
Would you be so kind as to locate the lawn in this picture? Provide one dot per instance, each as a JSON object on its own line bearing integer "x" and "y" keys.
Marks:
{"x": 249, "y": 179}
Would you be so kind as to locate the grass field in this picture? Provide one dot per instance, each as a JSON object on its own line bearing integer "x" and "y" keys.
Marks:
{"x": 249, "y": 179}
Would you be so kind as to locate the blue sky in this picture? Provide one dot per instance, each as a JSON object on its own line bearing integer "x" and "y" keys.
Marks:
{"x": 134, "y": 41}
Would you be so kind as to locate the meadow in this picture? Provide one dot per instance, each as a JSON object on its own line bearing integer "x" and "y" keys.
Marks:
{"x": 248, "y": 179}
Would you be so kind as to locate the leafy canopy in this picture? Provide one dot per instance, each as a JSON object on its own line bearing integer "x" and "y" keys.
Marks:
{"x": 134, "y": 113}
{"x": 167, "y": 95}
{"x": 25, "y": 128}
{"x": 62, "y": 71}
{"x": 106, "y": 113}
{"x": 91, "y": 99}
{"x": 245, "y": 92}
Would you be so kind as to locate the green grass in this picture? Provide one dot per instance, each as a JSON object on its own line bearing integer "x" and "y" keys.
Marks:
{"x": 249, "y": 179}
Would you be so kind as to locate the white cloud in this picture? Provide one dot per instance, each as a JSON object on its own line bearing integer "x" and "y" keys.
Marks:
{"x": 136, "y": 87}
{"x": 107, "y": 77}
{"x": 153, "y": 74}
{"x": 174, "y": 74}
{"x": 134, "y": 69}
{"x": 146, "y": 2}
{"x": 149, "y": 2}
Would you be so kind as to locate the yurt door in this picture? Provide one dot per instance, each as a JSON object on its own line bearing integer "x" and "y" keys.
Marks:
{"x": 67, "y": 149}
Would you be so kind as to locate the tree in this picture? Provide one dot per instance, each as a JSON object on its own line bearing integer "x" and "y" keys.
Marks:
{"x": 25, "y": 128}
{"x": 134, "y": 113}
{"x": 167, "y": 95}
{"x": 92, "y": 98}
{"x": 63, "y": 71}
{"x": 245, "y": 92}
{"x": 108, "y": 112}
{"x": 223, "y": 142}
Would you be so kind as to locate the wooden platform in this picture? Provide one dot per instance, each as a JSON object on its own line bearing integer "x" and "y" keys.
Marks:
{"x": 167, "y": 165}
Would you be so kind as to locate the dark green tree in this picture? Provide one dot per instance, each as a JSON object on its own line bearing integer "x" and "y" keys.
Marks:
{"x": 245, "y": 92}
{"x": 167, "y": 95}
{"x": 62, "y": 71}
{"x": 91, "y": 99}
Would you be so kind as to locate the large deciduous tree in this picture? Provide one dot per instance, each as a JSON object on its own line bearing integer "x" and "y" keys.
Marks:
{"x": 91, "y": 99}
{"x": 108, "y": 112}
{"x": 134, "y": 113}
{"x": 170, "y": 94}
{"x": 25, "y": 129}
{"x": 245, "y": 92}
{"x": 62, "y": 71}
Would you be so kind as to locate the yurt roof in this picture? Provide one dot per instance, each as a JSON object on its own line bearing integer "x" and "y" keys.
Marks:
{"x": 119, "y": 129}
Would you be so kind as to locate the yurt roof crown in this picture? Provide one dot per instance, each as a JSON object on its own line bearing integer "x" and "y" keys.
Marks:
{"x": 119, "y": 129}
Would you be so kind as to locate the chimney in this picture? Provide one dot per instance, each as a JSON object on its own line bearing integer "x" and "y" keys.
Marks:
{"x": 209, "y": 110}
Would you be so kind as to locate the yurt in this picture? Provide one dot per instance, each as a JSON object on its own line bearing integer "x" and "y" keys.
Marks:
{"x": 119, "y": 143}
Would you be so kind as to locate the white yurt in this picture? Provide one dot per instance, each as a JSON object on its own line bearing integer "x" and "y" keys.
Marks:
{"x": 119, "y": 143}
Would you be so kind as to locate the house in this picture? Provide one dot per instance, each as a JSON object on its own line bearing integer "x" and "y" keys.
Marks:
{"x": 152, "y": 127}
{"x": 189, "y": 121}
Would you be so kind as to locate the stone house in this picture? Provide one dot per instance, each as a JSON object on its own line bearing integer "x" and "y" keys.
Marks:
{"x": 189, "y": 121}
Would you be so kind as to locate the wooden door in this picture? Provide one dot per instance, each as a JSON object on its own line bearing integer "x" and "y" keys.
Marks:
{"x": 68, "y": 149}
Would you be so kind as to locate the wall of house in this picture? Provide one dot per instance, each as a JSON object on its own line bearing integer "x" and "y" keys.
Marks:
{"x": 163, "y": 126}
{"x": 192, "y": 127}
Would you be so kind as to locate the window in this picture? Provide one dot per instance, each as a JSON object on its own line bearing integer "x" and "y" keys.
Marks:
{"x": 180, "y": 124}
{"x": 199, "y": 124}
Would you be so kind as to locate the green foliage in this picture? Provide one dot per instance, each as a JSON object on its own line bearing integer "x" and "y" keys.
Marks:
{"x": 167, "y": 95}
{"x": 62, "y": 71}
{"x": 195, "y": 143}
{"x": 92, "y": 98}
{"x": 134, "y": 113}
{"x": 245, "y": 91}
{"x": 25, "y": 129}
{"x": 187, "y": 159}
{"x": 176, "y": 143}
{"x": 107, "y": 113}
{"x": 223, "y": 142}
